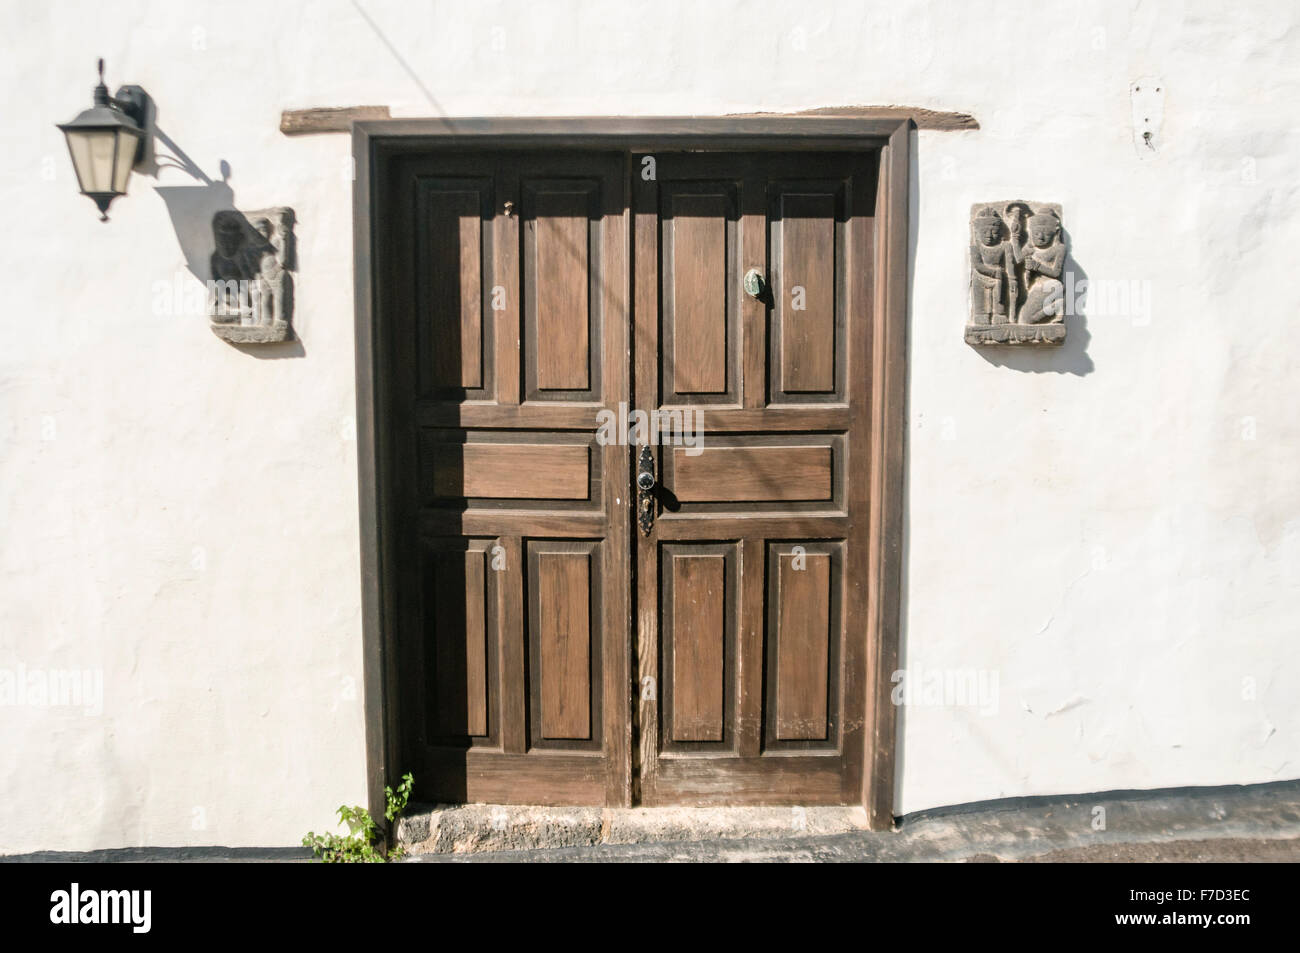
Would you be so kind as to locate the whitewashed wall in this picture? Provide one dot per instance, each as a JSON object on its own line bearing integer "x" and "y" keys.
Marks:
{"x": 1112, "y": 532}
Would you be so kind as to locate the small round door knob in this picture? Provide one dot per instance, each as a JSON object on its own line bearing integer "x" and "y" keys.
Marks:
{"x": 753, "y": 282}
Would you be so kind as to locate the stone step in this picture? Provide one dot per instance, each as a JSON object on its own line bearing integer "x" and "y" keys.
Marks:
{"x": 475, "y": 828}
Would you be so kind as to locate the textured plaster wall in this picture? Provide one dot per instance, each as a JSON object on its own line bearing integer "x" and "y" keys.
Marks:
{"x": 1111, "y": 532}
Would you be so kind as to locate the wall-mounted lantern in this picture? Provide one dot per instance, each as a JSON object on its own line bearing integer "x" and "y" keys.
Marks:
{"x": 106, "y": 141}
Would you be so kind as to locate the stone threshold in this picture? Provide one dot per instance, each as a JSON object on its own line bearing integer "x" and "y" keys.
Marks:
{"x": 477, "y": 828}
{"x": 1006, "y": 829}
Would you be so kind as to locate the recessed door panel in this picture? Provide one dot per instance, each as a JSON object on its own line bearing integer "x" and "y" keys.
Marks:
{"x": 804, "y": 633}
{"x": 517, "y": 470}
{"x": 807, "y": 229}
{"x": 698, "y": 614}
{"x": 459, "y": 627}
{"x": 564, "y": 643}
{"x": 562, "y": 228}
{"x": 700, "y": 322}
{"x": 454, "y": 253}
{"x": 752, "y": 474}
{"x": 807, "y": 309}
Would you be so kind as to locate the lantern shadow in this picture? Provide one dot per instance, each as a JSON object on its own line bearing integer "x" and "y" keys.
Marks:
{"x": 191, "y": 207}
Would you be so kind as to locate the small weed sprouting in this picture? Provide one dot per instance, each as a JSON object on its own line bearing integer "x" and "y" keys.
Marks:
{"x": 362, "y": 844}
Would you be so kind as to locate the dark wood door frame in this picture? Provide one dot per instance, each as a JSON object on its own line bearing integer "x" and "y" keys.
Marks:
{"x": 375, "y": 144}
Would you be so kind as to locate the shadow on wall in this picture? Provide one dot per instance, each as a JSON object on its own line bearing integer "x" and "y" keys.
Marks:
{"x": 1072, "y": 356}
{"x": 273, "y": 352}
{"x": 191, "y": 209}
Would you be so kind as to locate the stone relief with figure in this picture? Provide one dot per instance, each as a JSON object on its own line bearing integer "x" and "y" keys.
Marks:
{"x": 1017, "y": 257}
{"x": 250, "y": 290}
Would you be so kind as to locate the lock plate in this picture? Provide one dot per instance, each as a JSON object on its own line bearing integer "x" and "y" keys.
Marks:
{"x": 645, "y": 491}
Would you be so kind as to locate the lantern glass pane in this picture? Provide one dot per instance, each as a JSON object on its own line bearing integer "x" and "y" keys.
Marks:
{"x": 92, "y": 157}
{"x": 125, "y": 159}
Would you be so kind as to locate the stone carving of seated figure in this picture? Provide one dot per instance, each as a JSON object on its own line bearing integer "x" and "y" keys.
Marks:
{"x": 269, "y": 287}
{"x": 1044, "y": 259}
{"x": 233, "y": 263}
{"x": 250, "y": 298}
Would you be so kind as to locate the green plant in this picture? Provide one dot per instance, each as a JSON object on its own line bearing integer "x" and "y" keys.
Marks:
{"x": 363, "y": 843}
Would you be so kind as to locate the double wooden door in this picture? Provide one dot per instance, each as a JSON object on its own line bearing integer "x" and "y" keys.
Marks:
{"x": 553, "y": 313}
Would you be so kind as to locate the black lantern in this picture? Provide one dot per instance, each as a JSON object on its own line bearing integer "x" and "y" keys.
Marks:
{"x": 106, "y": 141}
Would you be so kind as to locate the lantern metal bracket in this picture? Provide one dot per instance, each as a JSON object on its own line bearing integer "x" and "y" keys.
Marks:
{"x": 133, "y": 102}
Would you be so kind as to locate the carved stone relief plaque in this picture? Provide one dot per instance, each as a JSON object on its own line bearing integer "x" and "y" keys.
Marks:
{"x": 1017, "y": 256}
{"x": 250, "y": 292}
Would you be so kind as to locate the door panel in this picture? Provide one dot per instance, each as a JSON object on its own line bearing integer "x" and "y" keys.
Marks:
{"x": 562, "y": 307}
{"x": 698, "y": 275}
{"x": 510, "y": 335}
{"x": 564, "y": 589}
{"x": 698, "y": 582}
{"x": 751, "y": 474}
{"x": 697, "y": 645}
{"x": 803, "y": 603}
{"x": 806, "y": 236}
{"x": 757, "y": 555}
{"x": 490, "y": 471}
{"x": 461, "y": 664}
{"x": 807, "y": 233}
{"x": 453, "y": 250}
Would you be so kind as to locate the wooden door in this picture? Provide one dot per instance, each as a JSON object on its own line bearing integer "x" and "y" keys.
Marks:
{"x": 511, "y": 602}
{"x": 751, "y": 584}
{"x": 546, "y": 650}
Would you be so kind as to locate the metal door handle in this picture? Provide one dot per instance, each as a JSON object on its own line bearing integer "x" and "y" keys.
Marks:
{"x": 645, "y": 486}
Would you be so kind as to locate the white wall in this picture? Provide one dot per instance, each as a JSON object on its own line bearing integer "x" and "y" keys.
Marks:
{"x": 1091, "y": 526}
